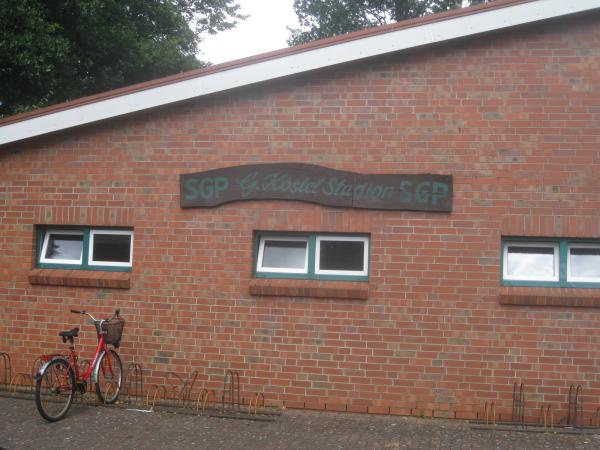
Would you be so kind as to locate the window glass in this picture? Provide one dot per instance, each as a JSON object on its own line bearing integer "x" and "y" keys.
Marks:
{"x": 286, "y": 255}
{"x": 531, "y": 261}
{"x": 111, "y": 248}
{"x": 63, "y": 247}
{"x": 342, "y": 255}
{"x": 584, "y": 262}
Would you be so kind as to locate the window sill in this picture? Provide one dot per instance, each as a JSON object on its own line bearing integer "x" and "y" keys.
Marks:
{"x": 549, "y": 296}
{"x": 349, "y": 290}
{"x": 81, "y": 278}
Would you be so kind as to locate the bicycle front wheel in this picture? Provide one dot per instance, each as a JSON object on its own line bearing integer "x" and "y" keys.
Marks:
{"x": 54, "y": 389}
{"x": 110, "y": 377}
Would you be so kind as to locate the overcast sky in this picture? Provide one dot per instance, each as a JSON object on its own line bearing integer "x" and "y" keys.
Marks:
{"x": 263, "y": 31}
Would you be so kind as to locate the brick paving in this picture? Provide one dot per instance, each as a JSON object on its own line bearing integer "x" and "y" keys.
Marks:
{"x": 91, "y": 427}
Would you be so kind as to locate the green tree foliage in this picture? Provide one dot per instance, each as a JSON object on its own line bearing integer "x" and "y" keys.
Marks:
{"x": 325, "y": 18}
{"x": 57, "y": 50}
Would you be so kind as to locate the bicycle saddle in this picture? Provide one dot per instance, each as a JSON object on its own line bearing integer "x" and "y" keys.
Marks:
{"x": 71, "y": 333}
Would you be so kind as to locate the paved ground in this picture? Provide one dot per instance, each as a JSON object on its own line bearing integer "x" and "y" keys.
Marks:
{"x": 88, "y": 427}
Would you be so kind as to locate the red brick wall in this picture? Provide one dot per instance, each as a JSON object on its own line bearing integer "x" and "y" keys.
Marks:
{"x": 514, "y": 117}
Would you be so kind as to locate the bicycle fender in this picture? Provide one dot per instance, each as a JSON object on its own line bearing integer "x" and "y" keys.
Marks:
{"x": 47, "y": 363}
{"x": 97, "y": 369}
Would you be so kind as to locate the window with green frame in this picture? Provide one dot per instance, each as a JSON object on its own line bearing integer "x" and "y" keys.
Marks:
{"x": 86, "y": 248}
{"x": 311, "y": 256}
{"x": 550, "y": 262}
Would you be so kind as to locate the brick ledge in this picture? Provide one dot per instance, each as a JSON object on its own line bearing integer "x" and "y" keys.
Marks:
{"x": 81, "y": 278}
{"x": 541, "y": 296}
{"x": 351, "y": 290}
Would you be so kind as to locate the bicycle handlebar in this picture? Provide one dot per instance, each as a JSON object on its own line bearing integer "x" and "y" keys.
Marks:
{"x": 76, "y": 311}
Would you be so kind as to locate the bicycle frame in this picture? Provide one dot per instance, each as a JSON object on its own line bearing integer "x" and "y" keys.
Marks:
{"x": 73, "y": 357}
{"x": 93, "y": 367}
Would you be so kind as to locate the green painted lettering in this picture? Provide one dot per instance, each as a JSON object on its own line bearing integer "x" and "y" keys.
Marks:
{"x": 211, "y": 188}
{"x": 387, "y": 193}
{"x": 329, "y": 188}
{"x": 423, "y": 192}
{"x": 207, "y": 188}
{"x": 405, "y": 192}
{"x": 248, "y": 184}
{"x": 191, "y": 189}
{"x": 439, "y": 192}
{"x": 221, "y": 184}
{"x": 359, "y": 191}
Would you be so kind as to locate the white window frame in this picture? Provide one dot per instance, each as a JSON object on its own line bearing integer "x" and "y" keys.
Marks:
{"x": 47, "y": 235}
{"x": 359, "y": 273}
{"x": 554, "y": 245}
{"x": 570, "y": 277}
{"x": 94, "y": 231}
{"x": 261, "y": 252}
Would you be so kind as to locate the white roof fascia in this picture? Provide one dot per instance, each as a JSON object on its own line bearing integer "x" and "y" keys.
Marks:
{"x": 285, "y": 65}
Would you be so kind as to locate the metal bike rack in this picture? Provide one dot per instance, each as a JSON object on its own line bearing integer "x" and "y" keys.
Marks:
{"x": 184, "y": 388}
{"x": 231, "y": 388}
{"x": 257, "y": 398}
{"x": 490, "y": 410}
{"x": 572, "y": 424}
{"x": 518, "y": 403}
{"x": 111, "y": 387}
{"x": 204, "y": 397}
{"x": 6, "y": 372}
{"x": 157, "y": 389}
{"x": 180, "y": 391}
{"x": 547, "y": 417}
{"x": 134, "y": 382}
{"x": 231, "y": 402}
{"x": 575, "y": 416}
{"x": 24, "y": 382}
{"x": 21, "y": 379}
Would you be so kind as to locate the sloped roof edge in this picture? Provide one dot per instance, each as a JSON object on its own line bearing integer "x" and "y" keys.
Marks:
{"x": 290, "y": 61}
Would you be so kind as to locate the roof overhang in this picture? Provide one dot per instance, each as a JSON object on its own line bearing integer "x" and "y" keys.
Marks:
{"x": 296, "y": 60}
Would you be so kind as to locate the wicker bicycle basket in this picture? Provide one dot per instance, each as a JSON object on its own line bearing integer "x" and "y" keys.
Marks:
{"x": 112, "y": 330}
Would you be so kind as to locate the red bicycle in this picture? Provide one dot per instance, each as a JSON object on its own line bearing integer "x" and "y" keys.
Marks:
{"x": 59, "y": 379}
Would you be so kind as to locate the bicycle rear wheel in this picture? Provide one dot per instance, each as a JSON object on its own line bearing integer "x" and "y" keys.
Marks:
{"x": 110, "y": 377}
{"x": 54, "y": 389}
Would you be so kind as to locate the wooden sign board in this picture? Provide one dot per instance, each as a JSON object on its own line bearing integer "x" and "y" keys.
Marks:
{"x": 316, "y": 184}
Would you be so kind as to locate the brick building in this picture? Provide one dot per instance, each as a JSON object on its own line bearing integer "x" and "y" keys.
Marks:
{"x": 347, "y": 281}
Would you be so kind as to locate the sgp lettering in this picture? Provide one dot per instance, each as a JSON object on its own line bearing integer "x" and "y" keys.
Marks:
{"x": 205, "y": 188}
{"x": 428, "y": 192}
